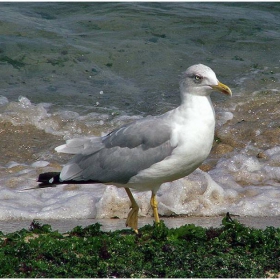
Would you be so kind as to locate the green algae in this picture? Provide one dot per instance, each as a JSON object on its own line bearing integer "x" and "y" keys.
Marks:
{"x": 231, "y": 251}
{"x": 16, "y": 63}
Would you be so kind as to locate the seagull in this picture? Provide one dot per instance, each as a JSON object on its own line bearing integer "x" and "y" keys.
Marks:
{"x": 148, "y": 152}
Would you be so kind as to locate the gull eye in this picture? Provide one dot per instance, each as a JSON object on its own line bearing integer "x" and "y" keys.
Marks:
{"x": 198, "y": 78}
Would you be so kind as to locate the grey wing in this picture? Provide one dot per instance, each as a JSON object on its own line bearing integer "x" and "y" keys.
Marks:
{"x": 125, "y": 152}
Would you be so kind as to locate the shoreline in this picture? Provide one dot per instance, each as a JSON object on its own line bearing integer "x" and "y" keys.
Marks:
{"x": 66, "y": 225}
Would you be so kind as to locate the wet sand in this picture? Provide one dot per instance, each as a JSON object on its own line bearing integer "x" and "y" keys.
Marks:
{"x": 66, "y": 225}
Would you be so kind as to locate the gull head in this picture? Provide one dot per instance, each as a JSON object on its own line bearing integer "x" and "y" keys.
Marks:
{"x": 201, "y": 80}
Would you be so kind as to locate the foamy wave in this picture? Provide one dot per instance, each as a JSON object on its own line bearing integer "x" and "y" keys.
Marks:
{"x": 243, "y": 182}
{"x": 199, "y": 194}
{"x": 67, "y": 123}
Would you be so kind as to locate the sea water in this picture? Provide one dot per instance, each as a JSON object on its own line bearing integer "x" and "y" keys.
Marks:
{"x": 74, "y": 69}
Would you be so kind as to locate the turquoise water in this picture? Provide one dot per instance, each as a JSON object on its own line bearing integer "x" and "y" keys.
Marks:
{"x": 133, "y": 52}
{"x": 74, "y": 69}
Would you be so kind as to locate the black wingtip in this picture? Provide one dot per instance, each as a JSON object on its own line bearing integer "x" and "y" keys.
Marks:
{"x": 48, "y": 179}
{"x": 51, "y": 179}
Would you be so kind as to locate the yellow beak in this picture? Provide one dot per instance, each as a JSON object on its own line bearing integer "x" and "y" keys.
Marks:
{"x": 222, "y": 88}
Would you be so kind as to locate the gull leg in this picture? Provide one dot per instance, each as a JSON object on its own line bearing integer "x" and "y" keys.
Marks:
{"x": 132, "y": 218}
{"x": 154, "y": 205}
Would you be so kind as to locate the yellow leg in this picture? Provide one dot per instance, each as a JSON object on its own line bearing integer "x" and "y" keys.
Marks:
{"x": 132, "y": 218}
{"x": 154, "y": 205}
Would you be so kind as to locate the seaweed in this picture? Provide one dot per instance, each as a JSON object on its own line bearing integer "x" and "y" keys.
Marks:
{"x": 15, "y": 63}
{"x": 231, "y": 251}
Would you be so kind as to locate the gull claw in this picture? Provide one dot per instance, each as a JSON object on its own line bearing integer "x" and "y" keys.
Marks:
{"x": 132, "y": 218}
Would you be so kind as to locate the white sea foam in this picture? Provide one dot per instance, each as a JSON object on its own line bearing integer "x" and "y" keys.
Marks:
{"x": 223, "y": 117}
{"x": 241, "y": 183}
{"x": 40, "y": 163}
{"x": 68, "y": 124}
{"x": 199, "y": 194}
{"x": 3, "y": 100}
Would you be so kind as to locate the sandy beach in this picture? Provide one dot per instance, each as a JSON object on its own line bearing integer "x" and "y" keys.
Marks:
{"x": 115, "y": 224}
